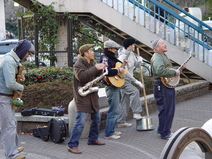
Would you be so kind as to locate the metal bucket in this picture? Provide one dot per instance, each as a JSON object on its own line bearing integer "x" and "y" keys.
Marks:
{"x": 144, "y": 124}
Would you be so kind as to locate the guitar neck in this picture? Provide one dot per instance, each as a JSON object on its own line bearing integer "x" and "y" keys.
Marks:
{"x": 15, "y": 93}
{"x": 185, "y": 61}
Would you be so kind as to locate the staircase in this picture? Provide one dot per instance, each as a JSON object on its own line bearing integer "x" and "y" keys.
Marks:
{"x": 129, "y": 18}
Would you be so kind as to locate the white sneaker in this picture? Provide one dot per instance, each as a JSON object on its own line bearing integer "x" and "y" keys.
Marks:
{"x": 121, "y": 125}
{"x": 117, "y": 133}
{"x": 112, "y": 137}
{"x": 137, "y": 116}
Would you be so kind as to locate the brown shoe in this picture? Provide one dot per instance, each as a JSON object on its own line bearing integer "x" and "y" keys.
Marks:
{"x": 20, "y": 149}
{"x": 19, "y": 157}
{"x": 74, "y": 150}
{"x": 97, "y": 142}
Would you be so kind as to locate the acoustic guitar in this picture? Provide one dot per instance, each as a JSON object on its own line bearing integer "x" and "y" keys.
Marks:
{"x": 118, "y": 80}
{"x": 172, "y": 82}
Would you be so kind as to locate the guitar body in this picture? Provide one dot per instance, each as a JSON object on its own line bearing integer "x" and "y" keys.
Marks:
{"x": 117, "y": 80}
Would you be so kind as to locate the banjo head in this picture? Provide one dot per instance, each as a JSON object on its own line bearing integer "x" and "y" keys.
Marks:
{"x": 173, "y": 81}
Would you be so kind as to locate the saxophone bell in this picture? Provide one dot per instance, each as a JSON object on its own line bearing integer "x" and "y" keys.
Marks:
{"x": 87, "y": 89}
{"x": 84, "y": 93}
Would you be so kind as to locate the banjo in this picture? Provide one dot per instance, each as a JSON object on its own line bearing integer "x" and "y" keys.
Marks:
{"x": 172, "y": 82}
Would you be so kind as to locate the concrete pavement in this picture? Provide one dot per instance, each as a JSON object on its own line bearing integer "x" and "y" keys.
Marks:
{"x": 133, "y": 144}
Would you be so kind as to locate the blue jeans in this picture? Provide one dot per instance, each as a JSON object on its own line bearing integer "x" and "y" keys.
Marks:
{"x": 79, "y": 125}
{"x": 113, "y": 96}
{"x": 165, "y": 101}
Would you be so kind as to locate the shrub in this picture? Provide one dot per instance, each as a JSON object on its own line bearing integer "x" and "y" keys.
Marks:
{"x": 47, "y": 95}
{"x": 51, "y": 86}
{"x": 47, "y": 74}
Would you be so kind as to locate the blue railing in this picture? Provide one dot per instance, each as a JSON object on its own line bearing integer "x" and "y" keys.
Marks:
{"x": 174, "y": 28}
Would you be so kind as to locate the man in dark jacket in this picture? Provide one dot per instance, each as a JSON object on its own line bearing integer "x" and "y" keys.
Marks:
{"x": 85, "y": 70}
{"x": 8, "y": 71}
{"x": 113, "y": 92}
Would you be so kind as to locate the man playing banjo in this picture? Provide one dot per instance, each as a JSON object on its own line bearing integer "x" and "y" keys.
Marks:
{"x": 164, "y": 96}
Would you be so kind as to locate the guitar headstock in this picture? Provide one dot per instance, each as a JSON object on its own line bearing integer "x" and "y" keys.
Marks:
{"x": 191, "y": 53}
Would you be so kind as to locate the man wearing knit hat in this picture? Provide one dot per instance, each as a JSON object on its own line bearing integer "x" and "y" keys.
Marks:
{"x": 113, "y": 93}
{"x": 164, "y": 96}
{"x": 85, "y": 70}
{"x": 8, "y": 71}
{"x": 130, "y": 96}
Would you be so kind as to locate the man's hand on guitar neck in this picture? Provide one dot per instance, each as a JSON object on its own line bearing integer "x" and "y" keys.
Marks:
{"x": 177, "y": 73}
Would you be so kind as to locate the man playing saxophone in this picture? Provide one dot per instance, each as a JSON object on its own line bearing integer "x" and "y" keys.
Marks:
{"x": 85, "y": 70}
{"x": 8, "y": 70}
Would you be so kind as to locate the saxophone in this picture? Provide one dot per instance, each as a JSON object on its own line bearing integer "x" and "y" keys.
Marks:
{"x": 87, "y": 89}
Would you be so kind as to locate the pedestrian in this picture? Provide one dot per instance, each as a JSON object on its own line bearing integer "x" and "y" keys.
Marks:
{"x": 164, "y": 96}
{"x": 85, "y": 70}
{"x": 8, "y": 70}
{"x": 112, "y": 91}
{"x": 157, "y": 12}
{"x": 158, "y": 20}
{"x": 130, "y": 95}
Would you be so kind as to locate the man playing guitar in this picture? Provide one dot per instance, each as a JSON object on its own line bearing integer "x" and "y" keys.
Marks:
{"x": 164, "y": 96}
{"x": 113, "y": 92}
{"x": 9, "y": 66}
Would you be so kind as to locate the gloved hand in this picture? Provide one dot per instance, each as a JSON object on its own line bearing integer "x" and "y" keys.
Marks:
{"x": 138, "y": 83}
{"x": 140, "y": 59}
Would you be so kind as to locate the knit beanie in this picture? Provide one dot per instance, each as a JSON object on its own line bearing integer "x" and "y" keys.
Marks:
{"x": 127, "y": 42}
{"x": 155, "y": 43}
{"x": 22, "y": 47}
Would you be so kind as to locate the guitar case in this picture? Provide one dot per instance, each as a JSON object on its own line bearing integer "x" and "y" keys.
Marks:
{"x": 42, "y": 111}
{"x": 47, "y": 112}
{"x": 56, "y": 131}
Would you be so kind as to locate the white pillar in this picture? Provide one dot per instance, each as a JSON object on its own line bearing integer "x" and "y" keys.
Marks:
{"x": 2, "y": 20}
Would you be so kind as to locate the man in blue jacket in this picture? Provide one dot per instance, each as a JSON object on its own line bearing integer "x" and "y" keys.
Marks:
{"x": 8, "y": 71}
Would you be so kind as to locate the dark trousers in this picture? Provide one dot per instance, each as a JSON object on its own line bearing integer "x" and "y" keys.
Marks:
{"x": 165, "y": 101}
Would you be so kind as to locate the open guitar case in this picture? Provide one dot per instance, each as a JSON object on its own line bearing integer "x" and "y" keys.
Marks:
{"x": 56, "y": 130}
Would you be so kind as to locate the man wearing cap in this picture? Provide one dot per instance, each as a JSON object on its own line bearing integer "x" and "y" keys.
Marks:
{"x": 8, "y": 71}
{"x": 164, "y": 96}
{"x": 85, "y": 70}
{"x": 113, "y": 93}
{"x": 130, "y": 96}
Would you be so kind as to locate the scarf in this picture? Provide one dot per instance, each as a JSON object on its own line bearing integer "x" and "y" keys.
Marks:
{"x": 111, "y": 55}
